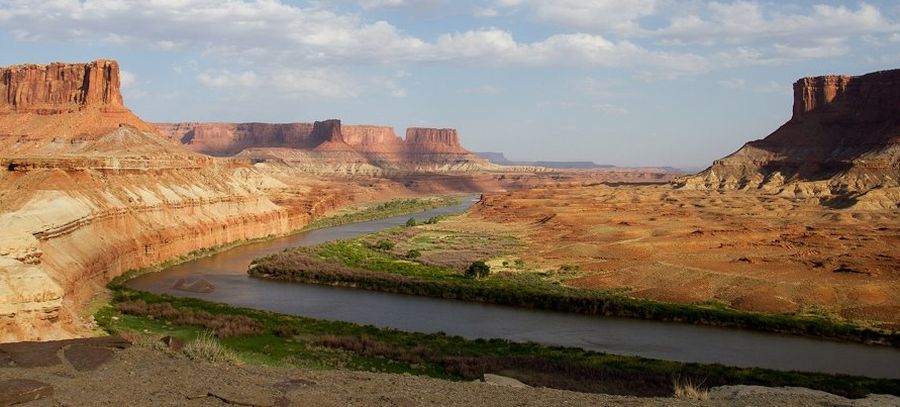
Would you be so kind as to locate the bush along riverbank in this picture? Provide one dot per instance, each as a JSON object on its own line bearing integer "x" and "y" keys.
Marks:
{"x": 358, "y": 264}
{"x": 227, "y": 334}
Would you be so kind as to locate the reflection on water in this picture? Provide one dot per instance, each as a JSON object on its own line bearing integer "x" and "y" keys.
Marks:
{"x": 661, "y": 340}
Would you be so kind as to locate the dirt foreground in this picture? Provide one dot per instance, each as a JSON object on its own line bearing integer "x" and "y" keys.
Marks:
{"x": 108, "y": 371}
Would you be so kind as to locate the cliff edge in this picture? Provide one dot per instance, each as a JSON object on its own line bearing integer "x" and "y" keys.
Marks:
{"x": 50, "y": 108}
{"x": 842, "y": 144}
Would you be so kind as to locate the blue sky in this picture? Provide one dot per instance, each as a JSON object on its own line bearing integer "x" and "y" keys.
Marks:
{"x": 625, "y": 82}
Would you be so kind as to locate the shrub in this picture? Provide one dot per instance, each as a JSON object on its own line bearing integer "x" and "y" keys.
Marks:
{"x": 432, "y": 220}
{"x": 207, "y": 347}
{"x": 411, "y": 222}
{"x": 687, "y": 389}
{"x": 478, "y": 269}
{"x": 384, "y": 245}
{"x": 520, "y": 263}
{"x": 413, "y": 254}
{"x": 568, "y": 267}
{"x": 224, "y": 326}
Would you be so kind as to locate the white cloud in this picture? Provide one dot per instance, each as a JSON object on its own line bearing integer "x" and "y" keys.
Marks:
{"x": 226, "y": 79}
{"x": 607, "y": 16}
{"x": 485, "y": 12}
{"x": 744, "y": 21}
{"x": 733, "y": 83}
{"x": 270, "y": 32}
{"x": 484, "y": 90}
{"x": 606, "y": 108}
{"x": 257, "y": 39}
{"x": 382, "y": 3}
{"x": 127, "y": 79}
{"x": 281, "y": 81}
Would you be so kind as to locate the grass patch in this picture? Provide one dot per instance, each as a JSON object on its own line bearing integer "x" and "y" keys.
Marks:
{"x": 297, "y": 341}
{"x": 206, "y": 347}
{"x": 384, "y": 210}
{"x": 353, "y": 263}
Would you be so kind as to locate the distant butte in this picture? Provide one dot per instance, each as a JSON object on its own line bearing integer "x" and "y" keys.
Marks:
{"x": 843, "y": 140}
{"x": 58, "y": 103}
{"x": 330, "y": 146}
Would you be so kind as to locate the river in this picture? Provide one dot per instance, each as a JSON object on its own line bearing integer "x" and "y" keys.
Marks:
{"x": 651, "y": 339}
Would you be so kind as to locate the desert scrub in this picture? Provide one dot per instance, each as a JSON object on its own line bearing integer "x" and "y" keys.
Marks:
{"x": 688, "y": 389}
{"x": 223, "y": 326}
{"x": 297, "y": 341}
{"x": 206, "y": 347}
{"x": 351, "y": 263}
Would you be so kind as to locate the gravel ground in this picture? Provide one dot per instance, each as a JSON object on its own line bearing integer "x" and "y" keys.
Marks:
{"x": 141, "y": 376}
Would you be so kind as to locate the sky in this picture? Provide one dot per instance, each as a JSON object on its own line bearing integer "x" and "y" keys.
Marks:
{"x": 624, "y": 82}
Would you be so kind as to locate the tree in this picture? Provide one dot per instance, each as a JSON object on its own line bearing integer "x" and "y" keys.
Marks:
{"x": 478, "y": 269}
{"x": 413, "y": 254}
{"x": 411, "y": 222}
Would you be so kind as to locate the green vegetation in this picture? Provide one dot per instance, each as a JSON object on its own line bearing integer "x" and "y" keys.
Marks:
{"x": 478, "y": 269}
{"x": 413, "y": 254}
{"x": 282, "y": 340}
{"x": 384, "y": 210}
{"x": 411, "y": 222}
{"x": 352, "y": 263}
{"x": 384, "y": 245}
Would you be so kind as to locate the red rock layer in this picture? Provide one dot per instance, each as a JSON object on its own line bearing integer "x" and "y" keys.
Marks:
{"x": 329, "y": 147}
{"x": 52, "y": 109}
{"x": 425, "y": 140}
{"x": 844, "y": 132}
{"x": 373, "y": 139}
{"x": 225, "y": 139}
{"x": 59, "y": 87}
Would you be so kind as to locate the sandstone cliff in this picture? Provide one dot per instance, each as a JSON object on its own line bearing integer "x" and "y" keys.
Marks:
{"x": 842, "y": 142}
{"x": 328, "y": 147}
{"x": 73, "y": 102}
{"x": 226, "y": 139}
{"x": 60, "y": 87}
{"x": 88, "y": 191}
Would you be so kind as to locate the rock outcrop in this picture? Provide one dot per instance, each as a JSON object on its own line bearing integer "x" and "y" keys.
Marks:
{"x": 226, "y": 139}
{"x": 842, "y": 142}
{"x": 431, "y": 141}
{"x": 59, "y": 107}
{"x": 328, "y": 147}
{"x": 60, "y": 87}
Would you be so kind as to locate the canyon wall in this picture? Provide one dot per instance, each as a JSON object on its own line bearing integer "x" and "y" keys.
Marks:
{"x": 226, "y": 139}
{"x": 429, "y": 141}
{"x": 328, "y": 147}
{"x": 88, "y": 191}
{"x": 843, "y": 140}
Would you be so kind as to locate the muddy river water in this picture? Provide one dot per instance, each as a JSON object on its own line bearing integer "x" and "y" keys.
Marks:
{"x": 652, "y": 339}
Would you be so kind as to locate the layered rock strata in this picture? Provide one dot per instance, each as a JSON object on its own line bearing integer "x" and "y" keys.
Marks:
{"x": 58, "y": 106}
{"x": 88, "y": 191}
{"x": 328, "y": 147}
{"x": 843, "y": 140}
